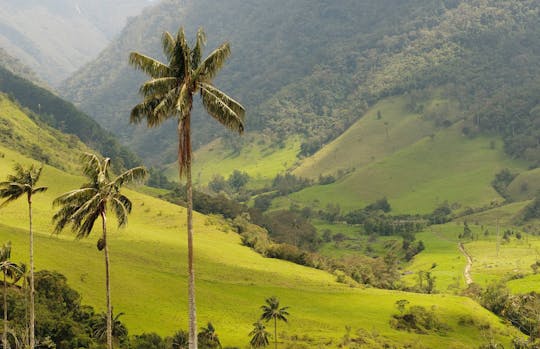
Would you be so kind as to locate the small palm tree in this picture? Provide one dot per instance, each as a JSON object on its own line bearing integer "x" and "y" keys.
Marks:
{"x": 208, "y": 337}
{"x": 23, "y": 182}
{"x": 9, "y": 270}
{"x": 259, "y": 335}
{"x": 169, "y": 93}
{"x": 180, "y": 340}
{"x": 272, "y": 311}
{"x": 80, "y": 208}
{"x": 118, "y": 328}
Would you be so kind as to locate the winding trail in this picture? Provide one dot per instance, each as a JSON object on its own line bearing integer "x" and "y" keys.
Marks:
{"x": 468, "y": 267}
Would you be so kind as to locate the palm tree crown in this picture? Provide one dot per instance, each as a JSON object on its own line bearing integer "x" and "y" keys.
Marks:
{"x": 272, "y": 311}
{"x": 82, "y": 207}
{"x": 259, "y": 335}
{"x": 170, "y": 90}
{"x": 22, "y": 182}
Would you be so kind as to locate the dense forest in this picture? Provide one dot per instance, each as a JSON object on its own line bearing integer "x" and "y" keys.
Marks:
{"x": 343, "y": 57}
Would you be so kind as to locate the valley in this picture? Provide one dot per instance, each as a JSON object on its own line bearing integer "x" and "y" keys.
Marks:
{"x": 381, "y": 181}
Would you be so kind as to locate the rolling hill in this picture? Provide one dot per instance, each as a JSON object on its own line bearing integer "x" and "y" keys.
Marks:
{"x": 148, "y": 277}
{"x": 410, "y": 160}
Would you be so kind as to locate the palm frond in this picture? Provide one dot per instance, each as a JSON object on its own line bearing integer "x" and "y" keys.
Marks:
{"x": 183, "y": 106}
{"x": 11, "y": 191}
{"x": 182, "y": 56}
{"x": 159, "y": 86}
{"x": 91, "y": 165}
{"x": 166, "y": 107}
{"x": 196, "y": 53}
{"x": 145, "y": 110}
{"x": 222, "y": 110}
{"x": 212, "y": 64}
{"x": 84, "y": 229}
{"x": 149, "y": 65}
{"x": 137, "y": 174}
{"x": 39, "y": 190}
{"x": 229, "y": 101}
{"x": 121, "y": 211}
{"x": 168, "y": 43}
{"x": 77, "y": 195}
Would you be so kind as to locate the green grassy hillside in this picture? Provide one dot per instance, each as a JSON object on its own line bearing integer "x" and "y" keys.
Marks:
{"x": 525, "y": 185}
{"x": 149, "y": 277}
{"x": 37, "y": 140}
{"x": 417, "y": 169}
{"x": 262, "y": 159}
{"x": 385, "y": 129}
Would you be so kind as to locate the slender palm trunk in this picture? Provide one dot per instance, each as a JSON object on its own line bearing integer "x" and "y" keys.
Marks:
{"x": 275, "y": 332}
{"x": 32, "y": 291}
{"x": 107, "y": 281}
{"x": 191, "y": 270}
{"x": 4, "y": 334}
{"x": 26, "y": 301}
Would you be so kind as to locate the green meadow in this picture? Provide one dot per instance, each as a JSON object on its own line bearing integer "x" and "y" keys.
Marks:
{"x": 494, "y": 257}
{"x": 444, "y": 165}
{"x": 149, "y": 276}
{"x": 259, "y": 157}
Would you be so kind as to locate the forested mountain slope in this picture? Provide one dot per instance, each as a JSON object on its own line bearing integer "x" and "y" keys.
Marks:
{"x": 55, "y": 112}
{"x": 312, "y": 68}
{"x": 55, "y": 37}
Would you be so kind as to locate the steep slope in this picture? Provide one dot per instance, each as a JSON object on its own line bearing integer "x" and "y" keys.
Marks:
{"x": 310, "y": 68}
{"x": 266, "y": 58}
{"x": 148, "y": 277}
{"x": 56, "y": 37}
{"x": 53, "y": 111}
{"x": 15, "y": 66}
{"x": 35, "y": 139}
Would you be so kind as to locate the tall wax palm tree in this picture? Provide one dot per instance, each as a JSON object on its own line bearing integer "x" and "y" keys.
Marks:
{"x": 272, "y": 311}
{"x": 259, "y": 335}
{"x": 169, "y": 93}
{"x": 80, "y": 208}
{"x": 23, "y": 182}
{"x": 9, "y": 270}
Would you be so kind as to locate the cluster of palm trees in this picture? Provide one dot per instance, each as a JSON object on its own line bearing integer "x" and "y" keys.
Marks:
{"x": 168, "y": 94}
{"x": 270, "y": 311}
{"x": 24, "y": 183}
{"x": 79, "y": 209}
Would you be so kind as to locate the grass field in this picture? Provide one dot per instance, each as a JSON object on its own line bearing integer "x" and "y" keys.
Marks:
{"x": 149, "y": 276}
{"x": 525, "y": 185}
{"x": 371, "y": 138}
{"x": 258, "y": 157}
{"x": 494, "y": 258}
{"x": 449, "y": 167}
